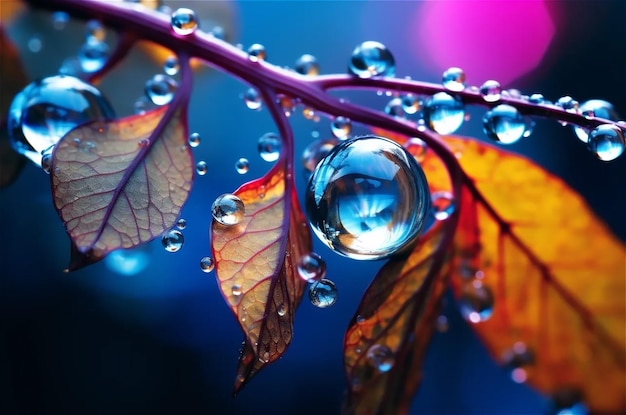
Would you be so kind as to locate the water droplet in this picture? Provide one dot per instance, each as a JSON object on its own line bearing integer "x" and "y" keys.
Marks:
{"x": 311, "y": 267}
{"x": 171, "y": 66}
{"x": 476, "y": 302}
{"x": 160, "y": 89}
{"x": 417, "y": 147}
{"x": 172, "y": 240}
{"x": 47, "y": 109}
{"x": 517, "y": 357}
{"x": 411, "y": 104}
{"x": 46, "y": 159}
{"x": 567, "y": 103}
{"x": 442, "y": 205}
{"x": 307, "y": 65}
{"x": 536, "y": 99}
{"x": 184, "y": 21}
{"x": 341, "y": 127}
{"x": 360, "y": 319}
{"x": 95, "y": 31}
{"x": 323, "y": 293}
{"x": 194, "y": 140}
{"x": 201, "y": 168}
{"x": 444, "y": 113}
{"x": 491, "y": 91}
{"x": 128, "y": 261}
{"x": 207, "y": 264}
{"x": 252, "y": 99}
{"x": 453, "y": 79}
{"x": 308, "y": 113}
{"x": 228, "y": 209}
{"x": 35, "y": 44}
{"x": 606, "y": 142}
{"x": 380, "y": 357}
{"x": 370, "y": 59}
{"x": 242, "y": 166}
{"x": 181, "y": 224}
{"x": 595, "y": 108}
{"x": 92, "y": 56}
{"x": 504, "y": 124}
{"x": 281, "y": 310}
{"x": 269, "y": 147}
{"x": 395, "y": 108}
{"x": 316, "y": 151}
{"x": 256, "y": 52}
{"x": 368, "y": 198}
{"x": 236, "y": 291}
{"x": 59, "y": 20}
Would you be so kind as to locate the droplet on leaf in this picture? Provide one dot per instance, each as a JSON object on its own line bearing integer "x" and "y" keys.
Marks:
{"x": 370, "y": 59}
{"x": 184, "y": 21}
{"x": 504, "y": 124}
{"x": 228, "y": 209}
{"x": 311, "y": 267}
{"x": 453, "y": 79}
{"x": 395, "y": 108}
{"x": 606, "y": 142}
{"x": 172, "y": 240}
{"x": 491, "y": 91}
{"x": 380, "y": 357}
{"x": 307, "y": 65}
{"x": 160, "y": 89}
{"x": 323, "y": 293}
{"x": 444, "y": 113}
{"x": 368, "y": 198}
{"x": 236, "y": 291}
{"x": 442, "y": 205}
{"x": 341, "y": 127}
{"x": 476, "y": 301}
{"x": 43, "y": 112}
{"x": 269, "y": 147}
{"x": 59, "y": 20}
{"x": 207, "y": 264}
{"x": 242, "y": 165}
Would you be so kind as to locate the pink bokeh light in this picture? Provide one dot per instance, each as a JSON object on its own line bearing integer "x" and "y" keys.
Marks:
{"x": 489, "y": 39}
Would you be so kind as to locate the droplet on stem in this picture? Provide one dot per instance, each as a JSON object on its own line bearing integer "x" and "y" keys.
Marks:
{"x": 453, "y": 79}
{"x": 184, "y": 21}
{"x": 491, "y": 91}
{"x": 380, "y": 357}
{"x": 504, "y": 124}
{"x": 160, "y": 89}
{"x": 307, "y": 65}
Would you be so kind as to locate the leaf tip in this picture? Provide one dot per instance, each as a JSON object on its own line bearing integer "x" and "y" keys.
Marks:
{"x": 80, "y": 259}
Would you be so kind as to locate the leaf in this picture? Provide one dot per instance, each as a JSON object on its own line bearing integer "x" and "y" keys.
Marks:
{"x": 118, "y": 184}
{"x": 556, "y": 272}
{"x": 12, "y": 81}
{"x": 256, "y": 268}
{"x": 393, "y": 326}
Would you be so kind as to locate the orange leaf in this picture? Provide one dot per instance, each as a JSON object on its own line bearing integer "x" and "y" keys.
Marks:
{"x": 556, "y": 272}
{"x": 386, "y": 341}
{"x": 118, "y": 184}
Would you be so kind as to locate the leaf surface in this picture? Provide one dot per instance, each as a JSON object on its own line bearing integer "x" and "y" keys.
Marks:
{"x": 117, "y": 184}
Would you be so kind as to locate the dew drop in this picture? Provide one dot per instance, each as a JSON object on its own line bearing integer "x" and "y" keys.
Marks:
{"x": 595, "y": 108}
{"x": 228, "y": 209}
{"x": 442, "y": 205}
{"x": 256, "y": 52}
{"x": 504, "y": 124}
{"x": 252, "y": 99}
{"x": 476, "y": 301}
{"x": 395, "y": 108}
{"x": 536, "y": 99}
{"x": 368, "y": 198}
{"x": 606, "y": 142}
{"x": 417, "y": 147}
{"x": 128, "y": 261}
{"x": 269, "y": 147}
{"x": 160, "y": 89}
{"x": 453, "y": 79}
{"x": 59, "y": 20}
{"x": 360, "y": 320}
{"x": 307, "y": 65}
{"x": 92, "y": 56}
{"x": 380, "y": 357}
{"x": 491, "y": 91}
{"x": 207, "y": 264}
{"x": 95, "y": 31}
{"x": 181, "y": 224}
{"x": 323, "y": 293}
{"x": 311, "y": 267}
{"x": 46, "y": 159}
{"x": 370, "y": 59}
{"x": 281, "y": 310}
{"x": 171, "y": 66}
{"x": 411, "y": 104}
{"x": 242, "y": 166}
{"x": 236, "y": 291}
{"x": 341, "y": 127}
{"x": 194, "y": 140}
{"x": 316, "y": 151}
{"x": 47, "y": 109}
{"x": 172, "y": 240}
{"x": 444, "y": 113}
{"x": 201, "y": 168}
{"x": 184, "y": 21}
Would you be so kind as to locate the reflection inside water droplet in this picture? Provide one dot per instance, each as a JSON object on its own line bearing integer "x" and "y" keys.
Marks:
{"x": 172, "y": 240}
{"x": 228, "y": 209}
{"x": 207, "y": 264}
{"x": 380, "y": 357}
{"x": 323, "y": 293}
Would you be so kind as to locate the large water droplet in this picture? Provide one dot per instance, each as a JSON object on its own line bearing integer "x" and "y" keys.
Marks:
{"x": 311, "y": 267}
{"x": 380, "y": 357}
{"x": 444, "y": 113}
{"x": 476, "y": 302}
{"x": 316, "y": 151}
{"x": 491, "y": 91}
{"x": 368, "y": 198}
{"x": 236, "y": 291}
{"x": 453, "y": 79}
{"x": 43, "y": 112}
{"x": 372, "y": 59}
{"x": 281, "y": 310}
{"x": 567, "y": 103}
{"x": 172, "y": 240}
{"x": 160, "y": 89}
{"x": 92, "y": 56}
{"x": 341, "y": 127}
{"x": 323, "y": 293}
{"x": 606, "y": 142}
{"x": 269, "y": 147}
{"x": 242, "y": 166}
{"x": 504, "y": 124}
{"x": 256, "y": 52}
{"x": 184, "y": 21}
{"x": 207, "y": 264}
{"x": 307, "y": 65}
{"x": 252, "y": 99}
{"x": 228, "y": 209}
{"x": 595, "y": 108}
{"x": 128, "y": 261}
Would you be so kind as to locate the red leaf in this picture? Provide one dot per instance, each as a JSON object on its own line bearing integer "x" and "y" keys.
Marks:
{"x": 121, "y": 183}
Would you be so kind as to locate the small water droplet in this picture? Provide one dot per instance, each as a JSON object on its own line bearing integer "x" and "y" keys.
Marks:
{"x": 395, "y": 108}
{"x": 360, "y": 319}
{"x": 46, "y": 159}
{"x": 323, "y": 293}
{"x": 380, "y": 357}
{"x": 160, "y": 89}
{"x": 411, "y": 104}
{"x": 242, "y": 166}
{"x": 92, "y": 56}
{"x": 281, "y": 310}
{"x": 201, "y": 168}
{"x": 228, "y": 209}
{"x": 171, "y": 66}
{"x": 476, "y": 301}
{"x": 417, "y": 148}
{"x": 491, "y": 91}
{"x": 95, "y": 31}
{"x": 181, "y": 224}
{"x": 606, "y": 142}
{"x": 194, "y": 140}
{"x": 311, "y": 267}
{"x": 59, "y": 20}
{"x": 453, "y": 79}
{"x": 184, "y": 21}
{"x": 595, "y": 108}
{"x": 341, "y": 127}
{"x": 536, "y": 99}
{"x": 368, "y": 198}
{"x": 252, "y": 99}
{"x": 316, "y": 151}
{"x": 269, "y": 147}
{"x": 504, "y": 124}
{"x": 442, "y": 205}
{"x": 444, "y": 113}
{"x": 370, "y": 59}
{"x": 256, "y": 52}
{"x": 307, "y": 65}
{"x": 207, "y": 264}
{"x": 260, "y": 191}
{"x": 236, "y": 290}
{"x": 172, "y": 240}
{"x": 518, "y": 357}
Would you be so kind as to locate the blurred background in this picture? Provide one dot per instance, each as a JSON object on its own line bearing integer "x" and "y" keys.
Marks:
{"x": 162, "y": 341}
